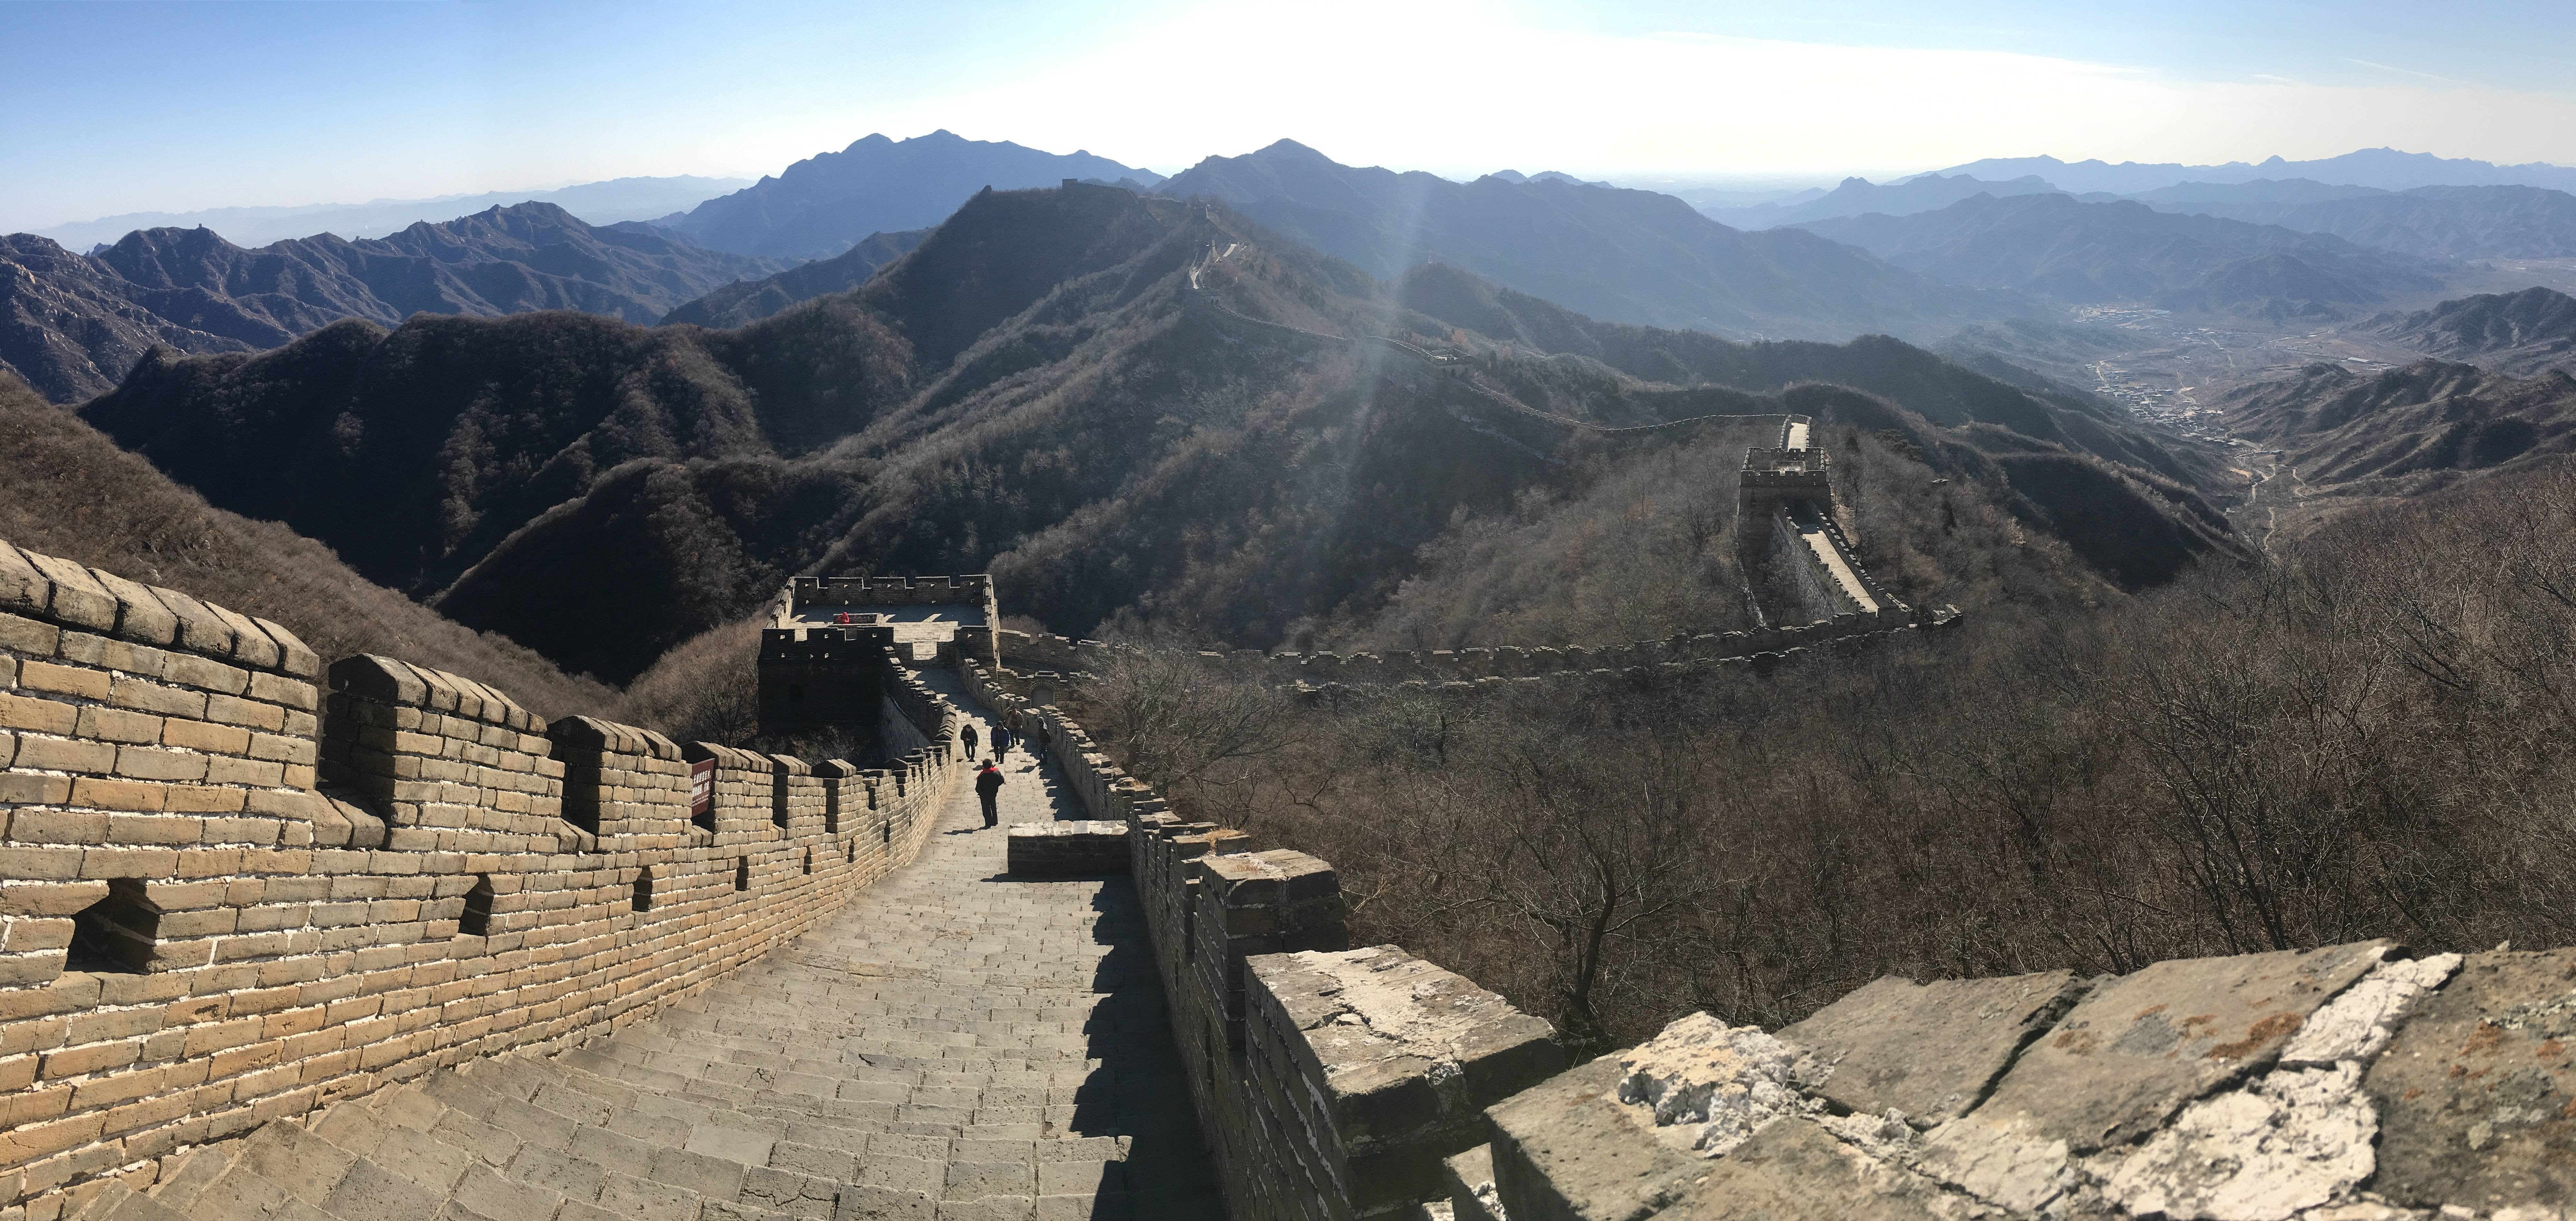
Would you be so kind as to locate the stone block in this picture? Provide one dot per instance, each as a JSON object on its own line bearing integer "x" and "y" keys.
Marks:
{"x": 140, "y": 615}
{"x": 1399, "y": 1057}
{"x": 1067, "y": 848}
{"x": 1928, "y": 1050}
{"x": 382, "y": 679}
{"x": 200, "y": 630}
{"x": 1565, "y": 1150}
{"x": 23, "y": 589}
{"x": 1793, "y": 1170}
{"x": 2476, "y": 1110}
{"x": 2139, "y": 1047}
{"x": 78, "y": 599}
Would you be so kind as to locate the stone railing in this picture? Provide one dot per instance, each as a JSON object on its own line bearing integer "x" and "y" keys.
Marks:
{"x": 2350, "y": 1083}
{"x": 235, "y": 886}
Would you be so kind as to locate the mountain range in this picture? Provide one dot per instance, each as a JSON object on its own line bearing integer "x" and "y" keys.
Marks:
{"x": 1121, "y": 405}
{"x": 1860, "y": 196}
{"x": 598, "y": 203}
{"x": 1618, "y": 255}
{"x": 2384, "y": 168}
{"x": 71, "y": 325}
{"x": 2461, "y": 222}
{"x": 2119, "y": 251}
{"x": 827, "y": 203}
{"x": 2522, "y": 333}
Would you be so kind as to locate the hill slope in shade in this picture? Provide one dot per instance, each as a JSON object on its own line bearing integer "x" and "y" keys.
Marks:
{"x": 2403, "y": 432}
{"x": 1037, "y": 390}
{"x": 200, "y": 293}
{"x": 829, "y": 202}
{"x": 749, "y": 301}
{"x": 2524, "y": 332}
{"x": 71, "y": 492}
{"x": 2123, "y": 252}
{"x": 1620, "y": 255}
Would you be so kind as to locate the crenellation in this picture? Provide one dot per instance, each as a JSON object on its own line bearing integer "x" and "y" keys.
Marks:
{"x": 290, "y": 866}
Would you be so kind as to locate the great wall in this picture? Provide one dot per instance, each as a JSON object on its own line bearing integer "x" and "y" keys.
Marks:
{"x": 370, "y": 941}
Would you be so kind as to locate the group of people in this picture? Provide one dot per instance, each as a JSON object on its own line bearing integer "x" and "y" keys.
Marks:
{"x": 988, "y": 780}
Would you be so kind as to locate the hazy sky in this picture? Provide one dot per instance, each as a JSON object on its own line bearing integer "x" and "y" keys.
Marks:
{"x": 122, "y": 107}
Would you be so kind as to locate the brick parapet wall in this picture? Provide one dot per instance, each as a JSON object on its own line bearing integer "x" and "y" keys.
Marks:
{"x": 305, "y": 898}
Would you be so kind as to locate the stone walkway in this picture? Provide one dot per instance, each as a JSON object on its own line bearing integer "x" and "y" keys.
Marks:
{"x": 954, "y": 1045}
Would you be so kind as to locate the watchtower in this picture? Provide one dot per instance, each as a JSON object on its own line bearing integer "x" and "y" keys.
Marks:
{"x": 1777, "y": 481}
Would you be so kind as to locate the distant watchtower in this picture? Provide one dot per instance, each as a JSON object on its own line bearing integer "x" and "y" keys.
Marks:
{"x": 831, "y": 642}
{"x": 1780, "y": 480}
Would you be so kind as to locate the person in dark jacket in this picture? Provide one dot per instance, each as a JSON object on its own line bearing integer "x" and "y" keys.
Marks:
{"x": 967, "y": 736}
{"x": 1001, "y": 742}
{"x": 988, "y": 789}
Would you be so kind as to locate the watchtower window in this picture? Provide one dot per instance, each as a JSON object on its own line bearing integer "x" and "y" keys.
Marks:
{"x": 742, "y": 873}
{"x": 643, "y": 901}
{"x": 117, "y": 933}
{"x": 477, "y": 919}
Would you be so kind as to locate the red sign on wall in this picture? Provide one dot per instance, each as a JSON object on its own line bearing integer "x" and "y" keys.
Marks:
{"x": 702, "y": 787}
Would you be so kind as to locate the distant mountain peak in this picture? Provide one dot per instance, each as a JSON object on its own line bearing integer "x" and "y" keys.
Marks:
{"x": 826, "y": 204}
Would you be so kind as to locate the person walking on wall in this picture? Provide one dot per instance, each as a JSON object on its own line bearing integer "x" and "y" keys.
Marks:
{"x": 988, "y": 789}
{"x": 1017, "y": 722}
{"x": 1001, "y": 742}
{"x": 967, "y": 736}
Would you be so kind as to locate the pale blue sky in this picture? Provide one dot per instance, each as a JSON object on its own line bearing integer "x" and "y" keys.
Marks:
{"x": 118, "y": 107}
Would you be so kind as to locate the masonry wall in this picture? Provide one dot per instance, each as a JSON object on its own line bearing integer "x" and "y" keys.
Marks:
{"x": 1024, "y": 651}
{"x": 235, "y": 885}
{"x": 1330, "y": 1083}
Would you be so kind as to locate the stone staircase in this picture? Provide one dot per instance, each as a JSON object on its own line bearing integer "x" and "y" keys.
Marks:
{"x": 953, "y": 1045}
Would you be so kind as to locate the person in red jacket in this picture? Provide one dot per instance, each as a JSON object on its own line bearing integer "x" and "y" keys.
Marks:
{"x": 988, "y": 788}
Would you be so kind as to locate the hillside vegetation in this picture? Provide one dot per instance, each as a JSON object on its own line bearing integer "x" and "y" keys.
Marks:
{"x": 73, "y": 493}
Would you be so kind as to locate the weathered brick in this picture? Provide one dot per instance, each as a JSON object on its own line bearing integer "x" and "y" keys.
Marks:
{"x": 65, "y": 755}
{"x": 35, "y": 790}
{"x": 25, "y": 635}
{"x": 233, "y": 710}
{"x": 65, "y": 680}
{"x": 118, "y": 725}
{"x": 37, "y": 715}
{"x": 148, "y": 696}
{"x": 200, "y": 735}
{"x": 152, "y": 763}
{"x": 57, "y": 826}
{"x": 90, "y": 1058}
{"x": 97, "y": 794}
